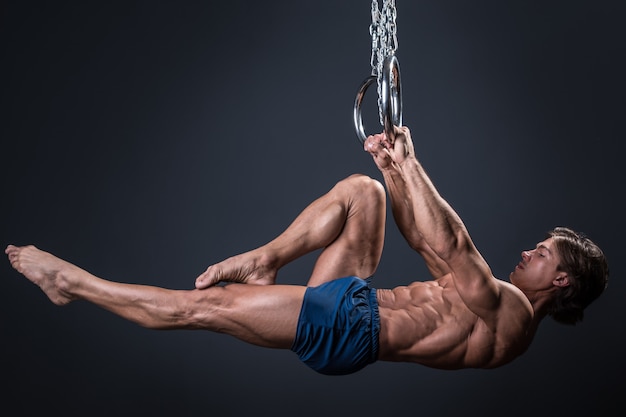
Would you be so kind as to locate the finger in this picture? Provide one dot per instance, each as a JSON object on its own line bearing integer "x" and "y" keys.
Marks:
{"x": 387, "y": 141}
{"x": 373, "y": 146}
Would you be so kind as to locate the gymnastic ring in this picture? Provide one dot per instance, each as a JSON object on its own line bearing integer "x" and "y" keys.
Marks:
{"x": 391, "y": 92}
{"x": 391, "y": 98}
{"x": 358, "y": 121}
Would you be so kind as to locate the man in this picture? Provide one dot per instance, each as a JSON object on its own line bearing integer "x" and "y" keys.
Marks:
{"x": 337, "y": 324}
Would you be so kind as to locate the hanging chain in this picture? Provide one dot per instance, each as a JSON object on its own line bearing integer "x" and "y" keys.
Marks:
{"x": 384, "y": 41}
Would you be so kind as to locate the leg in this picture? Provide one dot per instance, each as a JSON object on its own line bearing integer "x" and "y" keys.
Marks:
{"x": 348, "y": 222}
{"x": 262, "y": 315}
{"x": 359, "y": 245}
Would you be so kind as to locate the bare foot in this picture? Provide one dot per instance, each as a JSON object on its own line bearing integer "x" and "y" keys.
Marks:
{"x": 248, "y": 268}
{"x": 43, "y": 269}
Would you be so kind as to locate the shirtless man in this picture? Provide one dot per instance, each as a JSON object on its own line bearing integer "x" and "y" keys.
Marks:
{"x": 337, "y": 324}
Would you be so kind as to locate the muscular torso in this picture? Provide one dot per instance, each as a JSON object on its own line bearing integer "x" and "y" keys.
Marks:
{"x": 428, "y": 323}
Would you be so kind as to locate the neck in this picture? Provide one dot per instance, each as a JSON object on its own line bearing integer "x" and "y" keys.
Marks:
{"x": 540, "y": 302}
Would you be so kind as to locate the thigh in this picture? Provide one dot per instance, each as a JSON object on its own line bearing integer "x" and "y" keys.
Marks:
{"x": 264, "y": 315}
{"x": 358, "y": 248}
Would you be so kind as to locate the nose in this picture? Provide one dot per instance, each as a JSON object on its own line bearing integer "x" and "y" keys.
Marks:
{"x": 526, "y": 255}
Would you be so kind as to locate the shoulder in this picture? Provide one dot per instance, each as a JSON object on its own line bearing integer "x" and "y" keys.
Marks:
{"x": 514, "y": 314}
{"x": 513, "y": 298}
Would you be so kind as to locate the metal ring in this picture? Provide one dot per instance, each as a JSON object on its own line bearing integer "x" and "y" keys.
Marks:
{"x": 391, "y": 92}
{"x": 391, "y": 98}
{"x": 358, "y": 122}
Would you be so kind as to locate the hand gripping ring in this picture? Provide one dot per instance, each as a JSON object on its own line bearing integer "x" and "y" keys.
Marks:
{"x": 390, "y": 100}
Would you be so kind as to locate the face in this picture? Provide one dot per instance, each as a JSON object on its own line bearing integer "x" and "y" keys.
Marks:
{"x": 538, "y": 268}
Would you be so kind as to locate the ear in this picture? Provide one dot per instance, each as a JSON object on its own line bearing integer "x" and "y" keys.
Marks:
{"x": 561, "y": 281}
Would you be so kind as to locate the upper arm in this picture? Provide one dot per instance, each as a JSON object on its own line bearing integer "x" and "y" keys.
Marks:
{"x": 474, "y": 281}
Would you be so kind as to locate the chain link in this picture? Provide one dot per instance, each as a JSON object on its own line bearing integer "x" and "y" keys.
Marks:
{"x": 384, "y": 42}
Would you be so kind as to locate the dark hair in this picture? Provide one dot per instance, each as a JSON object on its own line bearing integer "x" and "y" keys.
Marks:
{"x": 588, "y": 272}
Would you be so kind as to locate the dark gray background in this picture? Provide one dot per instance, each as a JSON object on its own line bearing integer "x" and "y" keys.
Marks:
{"x": 146, "y": 140}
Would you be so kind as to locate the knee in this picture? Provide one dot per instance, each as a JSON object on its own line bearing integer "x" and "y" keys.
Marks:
{"x": 210, "y": 308}
{"x": 363, "y": 187}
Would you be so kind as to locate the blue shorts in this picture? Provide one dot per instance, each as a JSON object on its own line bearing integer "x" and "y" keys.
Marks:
{"x": 338, "y": 327}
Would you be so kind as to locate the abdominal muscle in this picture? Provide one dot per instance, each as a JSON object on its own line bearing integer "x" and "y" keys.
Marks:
{"x": 428, "y": 323}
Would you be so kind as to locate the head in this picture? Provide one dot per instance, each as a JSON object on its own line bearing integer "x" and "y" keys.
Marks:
{"x": 567, "y": 266}
{"x": 587, "y": 274}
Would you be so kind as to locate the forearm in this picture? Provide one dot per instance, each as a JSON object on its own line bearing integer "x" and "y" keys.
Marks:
{"x": 436, "y": 222}
{"x": 402, "y": 208}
